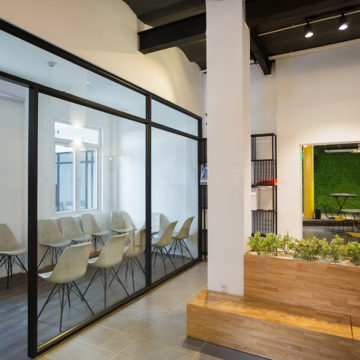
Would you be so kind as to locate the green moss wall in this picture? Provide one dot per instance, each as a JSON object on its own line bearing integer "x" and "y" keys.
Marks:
{"x": 336, "y": 173}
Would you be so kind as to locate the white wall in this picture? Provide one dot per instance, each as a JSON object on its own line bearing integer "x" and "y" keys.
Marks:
{"x": 105, "y": 33}
{"x": 310, "y": 99}
{"x": 13, "y": 164}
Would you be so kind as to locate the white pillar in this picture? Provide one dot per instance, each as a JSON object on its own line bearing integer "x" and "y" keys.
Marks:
{"x": 228, "y": 109}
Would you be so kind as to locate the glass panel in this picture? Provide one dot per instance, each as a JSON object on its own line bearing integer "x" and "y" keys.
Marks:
{"x": 174, "y": 201}
{"x": 175, "y": 119}
{"x": 53, "y": 71}
{"x": 13, "y": 220}
{"x": 64, "y": 178}
{"x": 107, "y": 156}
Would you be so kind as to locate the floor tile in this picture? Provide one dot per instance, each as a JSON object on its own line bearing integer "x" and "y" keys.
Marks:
{"x": 106, "y": 338}
{"x": 142, "y": 349}
{"x": 78, "y": 350}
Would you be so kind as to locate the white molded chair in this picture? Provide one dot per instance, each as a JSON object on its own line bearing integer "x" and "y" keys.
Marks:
{"x": 110, "y": 256}
{"x": 121, "y": 222}
{"x": 71, "y": 266}
{"x": 10, "y": 249}
{"x": 132, "y": 253}
{"x": 92, "y": 228}
{"x": 71, "y": 230}
{"x": 159, "y": 245}
{"x": 50, "y": 237}
{"x": 180, "y": 238}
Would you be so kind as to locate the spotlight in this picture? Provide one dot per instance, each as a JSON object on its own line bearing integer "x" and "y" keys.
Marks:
{"x": 343, "y": 23}
{"x": 308, "y": 30}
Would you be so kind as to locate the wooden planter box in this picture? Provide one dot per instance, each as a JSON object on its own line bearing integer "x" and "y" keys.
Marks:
{"x": 328, "y": 287}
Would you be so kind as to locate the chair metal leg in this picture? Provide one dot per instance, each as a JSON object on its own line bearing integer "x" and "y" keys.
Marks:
{"x": 132, "y": 274}
{"x": 21, "y": 265}
{"x": 186, "y": 247}
{"x": 62, "y": 304}
{"x": 91, "y": 281}
{"x": 49, "y": 298}
{"x": 139, "y": 263}
{"x": 118, "y": 279}
{"x": 163, "y": 259}
{"x": 169, "y": 256}
{"x": 42, "y": 259}
{"x": 81, "y": 295}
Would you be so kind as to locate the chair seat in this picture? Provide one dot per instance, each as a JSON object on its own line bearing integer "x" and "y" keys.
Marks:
{"x": 100, "y": 233}
{"x": 13, "y": 252}
{"x": 45, "y": 275}
{"x": 59, "y": 244}
{"x": 93, "y": 260}
{"x": 154, "y": 241}
{"x": 176, "y": 237}
{"x": 122, "y": 230}
{"x": 81, "y": 238}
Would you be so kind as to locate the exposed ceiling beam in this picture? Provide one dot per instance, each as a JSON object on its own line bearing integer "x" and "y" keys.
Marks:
{"x": 174, "y": 34}
{"x": 260, "y": 12}
{"x": 258, "y": 53}
{"x": 180, "y": 10}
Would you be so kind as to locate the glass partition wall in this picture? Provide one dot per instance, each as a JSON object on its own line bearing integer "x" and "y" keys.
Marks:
{"x": 111, "y": 191}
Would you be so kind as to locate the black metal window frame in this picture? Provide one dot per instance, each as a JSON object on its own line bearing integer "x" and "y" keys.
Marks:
{"x": 88, "y": 163}
{"x": 34, "y": 90}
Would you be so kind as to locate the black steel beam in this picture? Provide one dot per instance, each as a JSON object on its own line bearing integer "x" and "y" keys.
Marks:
{"x": 258, "y": 53}
{"x": 260, "y": 12}
{"x": 174, "y": 12}
{"x": 174, "y": 34}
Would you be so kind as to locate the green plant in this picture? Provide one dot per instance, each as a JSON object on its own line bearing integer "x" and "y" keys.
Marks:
{"x": 286, "y": 243}
{"x": 309, "y": 249}
{"x": 335, "y": 250}
{"x": 256, "y": 243}
{"x": 352, "y": 249}
{"x": 271, "y": 243}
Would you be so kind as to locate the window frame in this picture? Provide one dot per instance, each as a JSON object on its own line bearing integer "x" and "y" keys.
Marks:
{"x": 76, "y": 176}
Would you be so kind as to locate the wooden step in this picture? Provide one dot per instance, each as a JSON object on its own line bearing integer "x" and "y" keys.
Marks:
{"x": 270, "y": 329}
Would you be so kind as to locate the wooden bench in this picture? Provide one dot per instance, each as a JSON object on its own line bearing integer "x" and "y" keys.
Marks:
{"x": 272, "y": 330}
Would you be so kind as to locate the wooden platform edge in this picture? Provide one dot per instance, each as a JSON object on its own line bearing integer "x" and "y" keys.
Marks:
{"x": 264, "y": 338}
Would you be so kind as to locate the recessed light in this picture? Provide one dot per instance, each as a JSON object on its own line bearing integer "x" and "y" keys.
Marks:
{"x": 87, "y": 82}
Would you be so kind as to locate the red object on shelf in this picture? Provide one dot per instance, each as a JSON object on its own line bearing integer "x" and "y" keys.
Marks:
{"x": 267, "y": 182}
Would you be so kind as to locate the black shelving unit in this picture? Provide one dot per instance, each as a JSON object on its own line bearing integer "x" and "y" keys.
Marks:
{"x": 203, "y": 196}
{"x": 264, "y": 176}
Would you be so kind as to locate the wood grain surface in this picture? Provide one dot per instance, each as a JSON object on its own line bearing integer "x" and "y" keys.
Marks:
{"x": 328, "y": 287}
{"x": 269, "y": 329}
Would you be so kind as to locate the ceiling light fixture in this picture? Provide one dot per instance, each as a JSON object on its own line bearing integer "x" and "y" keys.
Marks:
{"x": 343, "y": 23}
{"x": 308, "y": 30}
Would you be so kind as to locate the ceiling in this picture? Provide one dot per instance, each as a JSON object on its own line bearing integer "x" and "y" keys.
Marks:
{"x": 276, "y": 27}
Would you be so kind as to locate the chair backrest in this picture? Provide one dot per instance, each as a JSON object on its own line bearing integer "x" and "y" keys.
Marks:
{"x": 155, "y": 222}
{"x": 185, "y": 229}
{"x": 113, "y": 251}
{"x": 70, "y": 228}
{"x": 7, "y": 238}
{"x": 48, "y": 233}
{"x": 137, "y": 245}
{"x": 166, "y": 237}
{"x": 72, "y": 263}
{"x": 89, "y": 224}
{"x": 121, "y": 219}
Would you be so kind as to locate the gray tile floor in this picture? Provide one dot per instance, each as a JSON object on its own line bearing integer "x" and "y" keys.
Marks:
{"x": 151, "y": 328}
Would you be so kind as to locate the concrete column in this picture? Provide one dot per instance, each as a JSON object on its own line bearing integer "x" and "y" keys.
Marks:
{"x": 228, "y": 109}
{"x": 309, "y": 182}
